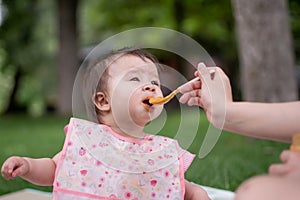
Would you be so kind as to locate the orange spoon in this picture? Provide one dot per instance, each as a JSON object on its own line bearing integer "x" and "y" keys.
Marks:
{"x": 163, "y": 100}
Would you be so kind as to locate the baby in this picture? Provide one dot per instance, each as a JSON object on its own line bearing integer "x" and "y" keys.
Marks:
{"x": 110, "y": 156}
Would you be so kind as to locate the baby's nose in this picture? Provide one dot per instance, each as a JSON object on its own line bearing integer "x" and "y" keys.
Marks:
{"x": 150, "y": 88}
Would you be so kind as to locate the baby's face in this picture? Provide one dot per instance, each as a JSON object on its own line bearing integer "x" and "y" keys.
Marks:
{"x": 131, "y": 83}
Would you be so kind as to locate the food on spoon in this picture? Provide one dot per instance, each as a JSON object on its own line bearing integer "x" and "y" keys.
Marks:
{"x": 163, "y": 100}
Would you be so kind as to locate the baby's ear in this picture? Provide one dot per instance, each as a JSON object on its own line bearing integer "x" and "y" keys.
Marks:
{"x": 101, "y": 102}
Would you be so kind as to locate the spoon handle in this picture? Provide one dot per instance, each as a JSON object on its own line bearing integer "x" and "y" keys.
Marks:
{"x": 191, "y": 81}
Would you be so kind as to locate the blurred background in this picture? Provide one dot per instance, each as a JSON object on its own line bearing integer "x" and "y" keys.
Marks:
{"x": 42, "y": 44}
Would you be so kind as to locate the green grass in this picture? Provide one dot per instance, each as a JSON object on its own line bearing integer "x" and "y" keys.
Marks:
{"x": 233, "y": 159}
{"x": 33, "y": 137}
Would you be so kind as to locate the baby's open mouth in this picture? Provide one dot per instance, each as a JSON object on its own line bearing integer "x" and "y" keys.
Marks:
{"x": 147, "y": 102}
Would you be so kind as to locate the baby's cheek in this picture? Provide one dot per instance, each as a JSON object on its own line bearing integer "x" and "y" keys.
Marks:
{"x": 133, "y": 101}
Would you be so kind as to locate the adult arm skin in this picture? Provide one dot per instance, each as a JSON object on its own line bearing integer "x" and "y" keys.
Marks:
{"x": 274, "y": 121}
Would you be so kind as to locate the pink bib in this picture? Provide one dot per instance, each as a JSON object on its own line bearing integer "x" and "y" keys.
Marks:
{"x": 96, "y": 163}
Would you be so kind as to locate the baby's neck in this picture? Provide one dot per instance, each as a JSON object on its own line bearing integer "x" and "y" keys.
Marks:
{"x": 125, "y": 130}
{"x": 134, "y": 133}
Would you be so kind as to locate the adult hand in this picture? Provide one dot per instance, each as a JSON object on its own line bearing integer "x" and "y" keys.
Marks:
{"x": 290, "y": 166}
{"x": 212, "y": 93}
{"x": 194, "y": 192}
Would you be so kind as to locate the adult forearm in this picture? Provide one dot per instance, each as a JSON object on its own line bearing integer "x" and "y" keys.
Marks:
{"x": 274, "y": 121}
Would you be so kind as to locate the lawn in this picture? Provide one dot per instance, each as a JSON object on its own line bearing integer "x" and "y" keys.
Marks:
{"x": 233, "y": 159}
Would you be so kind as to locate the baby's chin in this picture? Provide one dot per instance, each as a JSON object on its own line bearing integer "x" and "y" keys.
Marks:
{"x": 153, "y": 115}
{"x": 143, "y": 121}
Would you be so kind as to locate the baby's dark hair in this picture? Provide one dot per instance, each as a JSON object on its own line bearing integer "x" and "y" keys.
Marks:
{"x": 114, "y": 55}
{"x": 98, "y": 70}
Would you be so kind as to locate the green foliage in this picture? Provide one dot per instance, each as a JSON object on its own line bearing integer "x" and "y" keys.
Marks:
{"x": 28, "y": 38}
{"x": 27, "y": 41}
{"x": 203, "y": 20}
{"x": 6, "y": 84}
{"x": 101, "y": 19}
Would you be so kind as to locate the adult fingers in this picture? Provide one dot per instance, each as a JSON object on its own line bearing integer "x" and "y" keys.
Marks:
{"x": 202, "y": 70}
{"x": 195, "y": 101}
{"x": 190, "y": 87}
{"x": 285, "y": 155}
{"x": 290, "y": 163}
{"x": 282, "y": 168}
{"x": 206, "y": 73}
{"x": 279, "y": 169}
{"x": 188, "y": 95}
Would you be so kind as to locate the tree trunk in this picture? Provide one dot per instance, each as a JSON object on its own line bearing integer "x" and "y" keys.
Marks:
{"x": 67, "y": 55}
{"x": 13, "y": 105}
{"x": 179, "y": 14}
{"x": 266, "y": 53}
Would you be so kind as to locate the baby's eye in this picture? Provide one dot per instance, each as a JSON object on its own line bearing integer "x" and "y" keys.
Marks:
{"x": 155, "y": 83}
{"x": 135, "y": 79}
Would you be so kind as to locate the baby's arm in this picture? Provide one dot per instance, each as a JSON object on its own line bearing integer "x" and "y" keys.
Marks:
{"x": 39, "y": 171}
{"x": 194, "y": 192}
